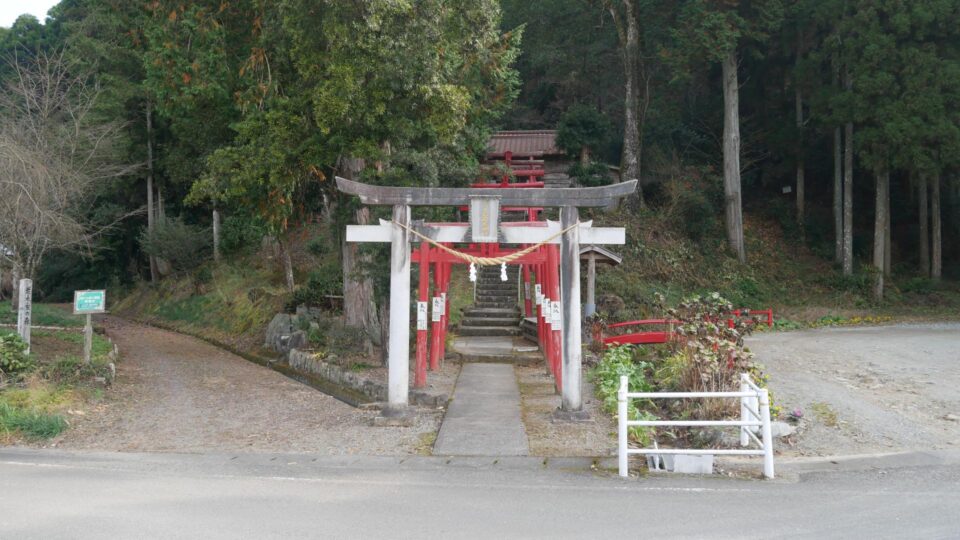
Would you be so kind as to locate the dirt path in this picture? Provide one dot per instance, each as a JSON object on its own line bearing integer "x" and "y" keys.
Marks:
{"x": 864, "y": 390}
{"x": 179, "y": 394}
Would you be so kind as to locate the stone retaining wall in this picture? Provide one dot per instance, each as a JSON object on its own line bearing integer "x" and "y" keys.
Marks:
{"x": 338, "y": 377}
{"x": 308, "y": 362}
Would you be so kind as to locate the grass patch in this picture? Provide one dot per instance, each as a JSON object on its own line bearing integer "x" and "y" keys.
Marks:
{"x": 43, "y": 315}
{"x": 31, "y": 406}
{"x": 360, "y": 366}
{"x": 825, "y": 414}
{"x": 30, "y": 423}
{"x": 425, "y": 444}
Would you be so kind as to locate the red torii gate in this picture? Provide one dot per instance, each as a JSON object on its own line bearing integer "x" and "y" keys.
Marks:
{"x": 541, "y": 265}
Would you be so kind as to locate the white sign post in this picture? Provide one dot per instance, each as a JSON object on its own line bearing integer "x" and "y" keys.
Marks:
{"x": 25, "y": 311}
{"x": 87, "y": 303}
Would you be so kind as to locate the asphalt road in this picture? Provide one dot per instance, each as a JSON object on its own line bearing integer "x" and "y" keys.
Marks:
{"x": 52, "y": 494}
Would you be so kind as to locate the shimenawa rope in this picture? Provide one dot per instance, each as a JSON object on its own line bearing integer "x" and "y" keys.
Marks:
{"x": 487, "y": 261}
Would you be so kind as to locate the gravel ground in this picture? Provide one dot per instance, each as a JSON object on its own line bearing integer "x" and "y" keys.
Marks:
{"x": 175, "y": 393}
{"x": 867, "y": 389}
{"x": 597, "y": 437}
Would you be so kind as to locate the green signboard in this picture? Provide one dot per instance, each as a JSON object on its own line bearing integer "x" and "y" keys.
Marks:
{"x": 89, "y": 302}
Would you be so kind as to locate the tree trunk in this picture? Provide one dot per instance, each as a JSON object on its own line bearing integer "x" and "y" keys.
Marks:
{"x": 837, "y": 179}
{"x": 584, "y": 156}
{"x": 15, "y": 287}
{"x": 150, "y": 208}
{"x": 216, "y": 235}
{"x": 887, "y": 251}
{"x": 731, "y": 156}
{"x": 879, "y": 231}
{"x": 848, "y": 186}
{"x": 287, "y": 264}
{"x": 630, "y": 160}
{"x": 837, "y": 197}
{"x": 936, "y": 267}
{"x": 848, "y": 201}
{"x": 924, "y": 227}
{"x": 359, "y": 305}
{"x": 798, "y": 105}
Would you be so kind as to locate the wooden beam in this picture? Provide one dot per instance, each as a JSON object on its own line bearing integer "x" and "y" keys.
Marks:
{"x": 513, "y": 233}
{"x": 429, "y": 196}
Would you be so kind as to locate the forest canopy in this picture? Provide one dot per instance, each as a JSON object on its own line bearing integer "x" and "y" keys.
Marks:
{"x": 843, "y": 115}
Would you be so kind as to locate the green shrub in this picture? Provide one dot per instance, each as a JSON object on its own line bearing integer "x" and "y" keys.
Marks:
{"x": 318, "y": 246}
{"x": 184, "y": 246}
{"x": 919, "y": 285}
{"x": 617, "y": 362}
{"x": 321, "y": 283}
{"x": 13, "y": 355}
{"x": 694, "y": 202}
{"x": 334, "y": 337}
{"x": 592, "y": 175}
{"x": 582, "y": 126}
{"x": 239, "y": 234}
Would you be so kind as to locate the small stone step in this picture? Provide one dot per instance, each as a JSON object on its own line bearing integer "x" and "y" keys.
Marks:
{"x": 500, "y": 295}
{"x": 496, "y": 298}
{"x": 489, "y": 321}
{"x": 472, "y": 312}
{"x": 489, "y": 331}
{"x": 496, "y": 305}
{"x": 512, "y": 287}
{"x": 500, "y": 285}
{"x": 524, "y": 359}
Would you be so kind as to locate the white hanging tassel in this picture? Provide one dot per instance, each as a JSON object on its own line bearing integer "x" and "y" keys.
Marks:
{"x": 503, "y": 271}
{"x": 473, "y": 272}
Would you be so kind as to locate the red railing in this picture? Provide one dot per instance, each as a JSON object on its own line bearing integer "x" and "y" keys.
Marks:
{"x": 651, "y": 337}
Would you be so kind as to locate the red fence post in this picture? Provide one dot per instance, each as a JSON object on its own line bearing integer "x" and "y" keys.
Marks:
{"x": 527, "y": 306}
{"x": 436, "y": 332}
{"x": 423, "y": 296}
{"x": 445, "y": 319}
{"x": 553, "y": 267}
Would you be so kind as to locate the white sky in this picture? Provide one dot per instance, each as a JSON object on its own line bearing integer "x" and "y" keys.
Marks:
{"x": 11, "y": 9}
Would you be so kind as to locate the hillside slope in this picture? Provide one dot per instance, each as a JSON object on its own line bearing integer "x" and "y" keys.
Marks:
{"x": 232, "y": 302}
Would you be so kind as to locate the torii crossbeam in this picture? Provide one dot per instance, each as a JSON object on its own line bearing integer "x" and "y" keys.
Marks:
{"x": 567, "y": 199}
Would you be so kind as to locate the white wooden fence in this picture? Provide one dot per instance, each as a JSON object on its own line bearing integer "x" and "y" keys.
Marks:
{"x": 754, "y": 413}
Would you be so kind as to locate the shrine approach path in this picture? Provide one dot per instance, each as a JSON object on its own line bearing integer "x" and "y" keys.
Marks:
{"x": 175, "y": 393}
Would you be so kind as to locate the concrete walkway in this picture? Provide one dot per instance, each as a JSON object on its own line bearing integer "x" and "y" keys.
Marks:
{"x": 484, "y": 415}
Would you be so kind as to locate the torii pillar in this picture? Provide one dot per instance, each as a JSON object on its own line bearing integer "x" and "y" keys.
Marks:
{"x": 398, "y": 353}
{"x": 571, "y": 368}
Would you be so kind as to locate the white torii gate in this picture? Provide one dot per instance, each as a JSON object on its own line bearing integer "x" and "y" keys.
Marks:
{"x": 396, "y": 232}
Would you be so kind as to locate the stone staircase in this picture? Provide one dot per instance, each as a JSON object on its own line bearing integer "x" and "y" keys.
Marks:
{"x": 557, "y": 180}
{"x": 495, "y": 311}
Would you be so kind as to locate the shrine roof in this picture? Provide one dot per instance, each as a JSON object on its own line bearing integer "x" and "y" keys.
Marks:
{"x": 535, "y": 143}
{"x": 603, "y": 254}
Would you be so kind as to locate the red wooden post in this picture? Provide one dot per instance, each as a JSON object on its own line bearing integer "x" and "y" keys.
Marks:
{"x": 423, "y": 312}
{"x": 436, "y": 332}
{"x": 527, "y": 307}
{"x": 553, "y": 266}
{"x": 544, "y": 314}
{"x": 445, "y": 322}
{"x": 545, "y": 342}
